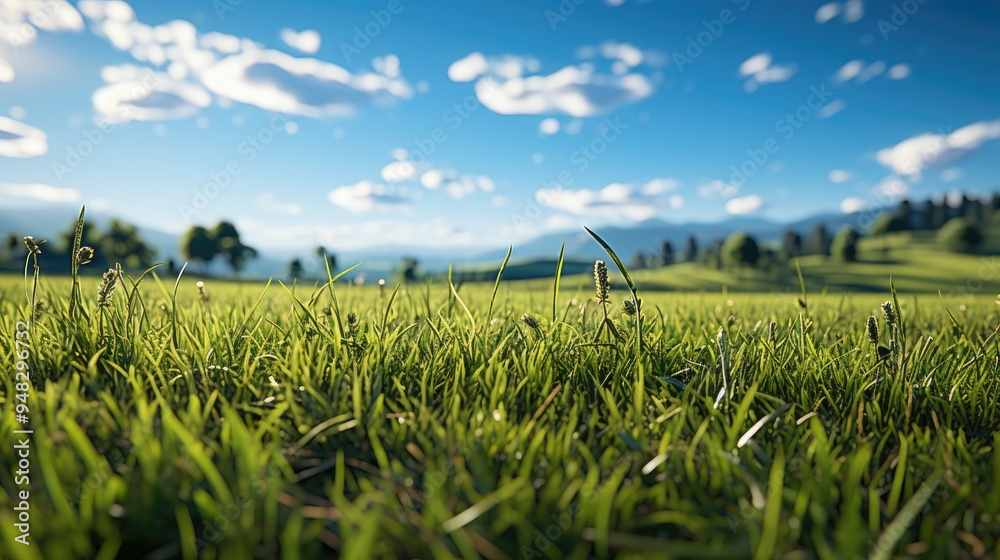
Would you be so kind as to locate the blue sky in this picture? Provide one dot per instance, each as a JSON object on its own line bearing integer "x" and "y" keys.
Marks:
{"x": 357, "y": 124}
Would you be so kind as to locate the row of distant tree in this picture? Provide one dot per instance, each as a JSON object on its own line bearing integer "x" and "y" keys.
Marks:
{"x": 122, "y": 243}
{"x": 959, "y": 228}
{"x": 119, "y": 243}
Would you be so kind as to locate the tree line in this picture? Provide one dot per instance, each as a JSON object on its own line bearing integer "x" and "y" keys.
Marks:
{"x": 960, "y": 228}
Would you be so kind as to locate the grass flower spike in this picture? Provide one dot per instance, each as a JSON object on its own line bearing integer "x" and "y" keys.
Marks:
{"x": 603, "y": 286}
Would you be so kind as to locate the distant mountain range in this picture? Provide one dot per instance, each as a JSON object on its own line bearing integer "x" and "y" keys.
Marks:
{"x": 381, "y": 261}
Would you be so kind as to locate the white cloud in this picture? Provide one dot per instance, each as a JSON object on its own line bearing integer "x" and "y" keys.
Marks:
{"x": 851, "y": 10}
{"x": 840, "y": 176}
{"x": 951, "y": 174}
{"x": 306, "y": 41}
{"x": 899, "y": 71}
{"x": 267, "y": 201}
{"x": 918, "y": 153}
{"x": 744, "y": 205}
{"x": 626, "y": 53}
{"x": 761, "y": 70}
{"x": 873, "y": 70}
{"x": 458, "y": 185}
{"x": 660, "y": 186}
{"x": 398, "y": 171}
{"x": 141, "y": 94}
{"x": 861, "y": 72}
{"x": 854, "y": 10}
{"x": 561, "y": 222}
{"x": 351, "y": 235}
{"x": 850, "y": 70}
{"x": 831, "y": 108}
{"x": 548, "y": 126}
{"x": 892, "y": 187}
{"x": 275, "y": 81}
{"x": 6, "y": 72}
{"x": 20, "y": 20}
{"x": 40, "y": 192}
{"x": 503, "y": 86}
{"x": 827, "y": 11}
{"x": 717, "y": 189}
{"x": 237, "y": 69}
{"x": 615, "y": 201}
{"x": 366, "y": 196}
{"x": 19, "y": 140}
{"x": 853, "y": 204}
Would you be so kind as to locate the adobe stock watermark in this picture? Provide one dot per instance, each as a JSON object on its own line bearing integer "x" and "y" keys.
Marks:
{"x": 898, "y": 17}
{"x": 76, "y": 154}
{"x": 455, "y": 117}
{"x": 247, "y": 152}
{"x": 580, "y": 160}
{"x": 563, "y": 11}
{"x": 42, "y": 16}
{"x": 695, "y": 45}
{"x": 22, "y": 449}
{"x": 786, "y": 128}
{"x": 366, "y": 33}
{"x": 223, "y": 7}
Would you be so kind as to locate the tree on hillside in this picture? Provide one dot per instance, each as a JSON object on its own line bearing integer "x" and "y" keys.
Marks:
{"x": 690, "y": 249}
{"x": 960, "y": 235}
{"x": 791, "y": 244}
{"x": 819, "y": 241}
{"x": 325, "y": 256}
{"x": 845, "y": 244}
{"x": 408, "y": 270}
{"x": 933, "y": 215}
{"x": 639, "y": 261}
{"x": 199, "y": 245}
{"x": 295, "y": 269}
{"x": 904, "y": 216}
{"x": 666, "y": 254}
{"x": 122, "y": 243}
{"x": 741, "y": 250}
{"x": 231, "y": 247}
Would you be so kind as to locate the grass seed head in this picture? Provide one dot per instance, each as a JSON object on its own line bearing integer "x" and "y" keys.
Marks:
{"x": 84, "y": 255}
{"x": 108, "y": 283}
{"x": 603, "y": 286}
{"x": 628, "y": 307}
{"x": 40, "y": 307}
{"x": 721, "y": 337}
{"x": 530, "y": 321}
{"x": 889, "y": 312}
{"x": 202, "y": 294}
{"x": 34, "y": 247}
{"x": 873, "y": 330}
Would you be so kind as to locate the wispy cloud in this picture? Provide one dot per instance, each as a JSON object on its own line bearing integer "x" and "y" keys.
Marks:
{"x": 366, "y": 196}
{"x": 19, "y": 140}
{"x": 924, "y": 151}
{"x": 760, "y": 69}
{"x": 306, "y": 41}
{"x": 238, "y": 69}
{"x": 744, "y": 205}
{"x": 40, "y": 192}
{"x": 507, "y": 85}
{"x": 615, "y": 201}
{"x": 270, "y": 203}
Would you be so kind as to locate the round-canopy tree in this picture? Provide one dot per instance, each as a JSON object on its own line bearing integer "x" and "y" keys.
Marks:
{"x": 959, "y": 235}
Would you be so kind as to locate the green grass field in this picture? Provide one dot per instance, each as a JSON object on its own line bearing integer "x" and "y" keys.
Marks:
{"x": 431, "y": 422}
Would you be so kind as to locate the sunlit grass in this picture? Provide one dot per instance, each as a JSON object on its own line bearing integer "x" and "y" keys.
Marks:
{"x": 241, "y": 420}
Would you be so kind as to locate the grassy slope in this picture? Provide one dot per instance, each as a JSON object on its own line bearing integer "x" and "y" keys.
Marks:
{"x": 914, "y": 262}
{"x": 430, "y": 431}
